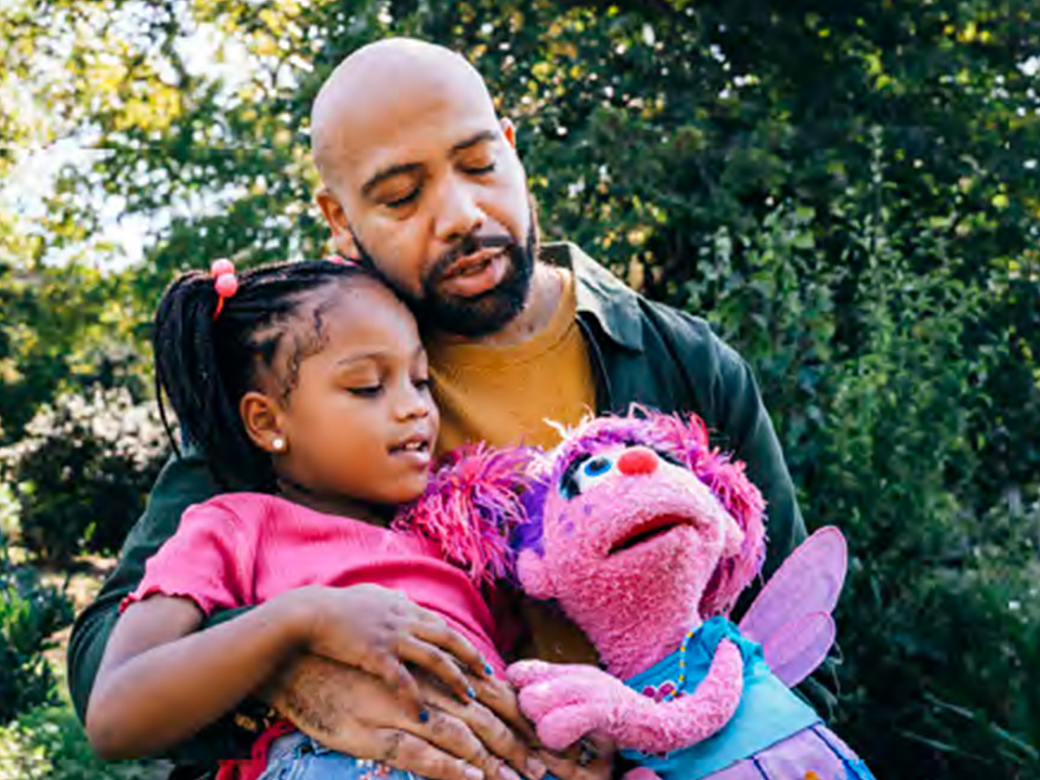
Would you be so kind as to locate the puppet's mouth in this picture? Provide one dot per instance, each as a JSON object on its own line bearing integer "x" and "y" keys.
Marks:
{"x": 644, "y": 532}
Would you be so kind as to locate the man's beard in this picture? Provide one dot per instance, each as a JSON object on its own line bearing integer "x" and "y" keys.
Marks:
{"x": 479, "y": 315}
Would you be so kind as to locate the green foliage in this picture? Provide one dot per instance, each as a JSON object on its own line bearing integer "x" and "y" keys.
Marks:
{"x": 47, "y": 743}
{"x": 63, "y": 330}
{"x": 82, "y": 473}
{"x": 850, "y": 191}
{"x": 29, "y": 614}
{"x": 767, "y": 293}
{"x": 940, "y": 619}
{"x": 8, "y": 511}
{"x": 936, "y": 571}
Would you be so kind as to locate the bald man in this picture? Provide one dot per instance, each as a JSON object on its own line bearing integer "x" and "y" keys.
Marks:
{"x": 422, "y": 184}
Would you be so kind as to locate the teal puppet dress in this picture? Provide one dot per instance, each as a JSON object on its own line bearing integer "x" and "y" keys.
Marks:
{"x": 773, "y": 735}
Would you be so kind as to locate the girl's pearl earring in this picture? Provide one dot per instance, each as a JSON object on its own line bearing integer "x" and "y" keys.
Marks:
{"x": 278, "y": 444}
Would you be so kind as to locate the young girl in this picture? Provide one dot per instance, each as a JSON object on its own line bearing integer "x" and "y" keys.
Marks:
{"x": 311, "y": 378}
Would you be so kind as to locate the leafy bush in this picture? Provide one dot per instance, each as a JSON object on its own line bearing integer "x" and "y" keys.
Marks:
{"x": 47, "y": 743}
{"x": 849, "y": 190}
{"x": 768, "y": 295}
{"x": 8, "y": 511}
{"x": 29, "y": 614}
{"x": 940, "y": 618}
{"x": 875, "y": 392}
{"x": 82, "y": 473}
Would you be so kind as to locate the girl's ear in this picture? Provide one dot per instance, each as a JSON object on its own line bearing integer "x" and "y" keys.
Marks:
{"x": 534, "y": 575}
{"x": 261, "y": 417}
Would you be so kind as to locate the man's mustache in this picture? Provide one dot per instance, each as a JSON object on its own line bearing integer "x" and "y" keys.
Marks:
{"x": 469, "y": 245}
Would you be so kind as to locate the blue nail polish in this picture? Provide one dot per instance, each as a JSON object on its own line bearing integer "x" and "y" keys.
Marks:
{"x": 470, "y": 692}
{"x": 424, "y": 716}
{"x": 488, "y": 670}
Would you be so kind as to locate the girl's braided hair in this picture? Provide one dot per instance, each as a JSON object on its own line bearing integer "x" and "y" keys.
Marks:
{"x": 206, "y": 365}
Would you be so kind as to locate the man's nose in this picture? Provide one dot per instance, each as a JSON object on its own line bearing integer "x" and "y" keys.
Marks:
{"x": 637, "y": 460}
{"x": 458, "y": 214}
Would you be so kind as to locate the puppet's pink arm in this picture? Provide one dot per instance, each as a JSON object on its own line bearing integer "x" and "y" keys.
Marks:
{"x": 565, "y": 707}
{"x": 640, "y": 773}
{"x": 653, "y": 727}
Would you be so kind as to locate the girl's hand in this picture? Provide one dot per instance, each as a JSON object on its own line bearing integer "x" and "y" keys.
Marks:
{"x": 379, "y": 630}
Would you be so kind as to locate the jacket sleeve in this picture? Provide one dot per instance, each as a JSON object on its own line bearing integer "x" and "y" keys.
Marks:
{"x": 184, "y": 481}
{"x": 721, "y": 388}
{"x": 741, "y": 417}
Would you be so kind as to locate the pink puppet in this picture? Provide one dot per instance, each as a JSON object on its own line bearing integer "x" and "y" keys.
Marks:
{"x": 645, "y": 537}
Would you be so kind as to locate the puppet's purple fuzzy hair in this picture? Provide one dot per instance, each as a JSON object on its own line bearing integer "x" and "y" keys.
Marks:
{"x": 528, "y": 534}
{"x": 687, "y": 440}
{"x": 470, "y": 507}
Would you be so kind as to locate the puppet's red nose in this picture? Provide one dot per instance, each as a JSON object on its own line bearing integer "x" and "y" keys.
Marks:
{"x": 638, "y": 460}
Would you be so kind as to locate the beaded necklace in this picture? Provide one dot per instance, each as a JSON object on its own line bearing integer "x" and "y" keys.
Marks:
{"x": 682, "y": 666}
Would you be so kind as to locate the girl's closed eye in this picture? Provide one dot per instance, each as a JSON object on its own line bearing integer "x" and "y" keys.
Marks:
{"x": 366, "y": 391}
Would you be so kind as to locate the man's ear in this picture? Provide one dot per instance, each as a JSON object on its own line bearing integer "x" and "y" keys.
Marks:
{"x": 262, "y": 419}
{"x": 534, "y": 575}
{"x": 509, "y": 130}
{"x": 336, "y": 219}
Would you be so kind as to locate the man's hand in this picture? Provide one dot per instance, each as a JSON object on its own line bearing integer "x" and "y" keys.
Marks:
{"x": 378, "y": 630}
{"x": 357, "y": 713}
{"x": 591, "y": 759}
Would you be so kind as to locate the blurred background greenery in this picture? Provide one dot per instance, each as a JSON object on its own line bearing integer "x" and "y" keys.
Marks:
{"x": 849, "y": 191}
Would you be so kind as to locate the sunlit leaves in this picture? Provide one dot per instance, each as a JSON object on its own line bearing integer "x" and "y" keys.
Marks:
{"x": 849, "y": 190}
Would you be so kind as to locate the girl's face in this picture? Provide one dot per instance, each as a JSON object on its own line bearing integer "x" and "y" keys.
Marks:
{"x": 358, "y": 422}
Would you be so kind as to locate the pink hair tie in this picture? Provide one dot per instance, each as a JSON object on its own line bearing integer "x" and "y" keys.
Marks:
{"x": 339, "y": 260}
{"x": 224, "y": 281}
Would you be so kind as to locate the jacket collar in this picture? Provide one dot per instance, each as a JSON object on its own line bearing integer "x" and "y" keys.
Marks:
{"x": 600, "y": 295}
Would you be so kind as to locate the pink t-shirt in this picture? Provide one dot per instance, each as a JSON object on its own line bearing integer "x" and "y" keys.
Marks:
{"x": 241, "y": 549}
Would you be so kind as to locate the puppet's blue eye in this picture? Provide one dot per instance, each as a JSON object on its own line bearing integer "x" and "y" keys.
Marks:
{"x": 592, "y": 471}
{"x": 583, "y": 472}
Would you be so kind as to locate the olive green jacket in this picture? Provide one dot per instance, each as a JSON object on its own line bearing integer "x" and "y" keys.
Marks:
{"x": 641, "y": 351}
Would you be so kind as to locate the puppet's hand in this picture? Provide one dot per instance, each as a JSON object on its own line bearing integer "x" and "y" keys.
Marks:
{"x": 568, "y": 701}
{"x": 524, "y": 674}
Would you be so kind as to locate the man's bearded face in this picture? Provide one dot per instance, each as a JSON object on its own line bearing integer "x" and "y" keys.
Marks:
{"x": 475, "y": 315}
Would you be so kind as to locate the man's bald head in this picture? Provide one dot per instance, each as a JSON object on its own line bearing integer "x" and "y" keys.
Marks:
{"x": 423, "y": 183}
{"x": 372, "y": 85}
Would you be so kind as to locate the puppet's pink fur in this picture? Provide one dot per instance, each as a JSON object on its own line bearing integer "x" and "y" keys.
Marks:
{"x": 669, "y": 585}
{"x": 620, "y": 600}
{"x": 636, "y": 602}
{"x": 470, "y": 507}
{"x": 684, "y": 438}
{"x": 566, "y": 701}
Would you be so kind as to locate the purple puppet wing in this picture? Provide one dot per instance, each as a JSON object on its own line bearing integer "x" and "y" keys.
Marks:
{"x": 799, "y": 647}
{"x": 782, "y": 618}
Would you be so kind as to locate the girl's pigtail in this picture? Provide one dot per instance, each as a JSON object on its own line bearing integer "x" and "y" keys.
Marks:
{"x": 193, "y": 352}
